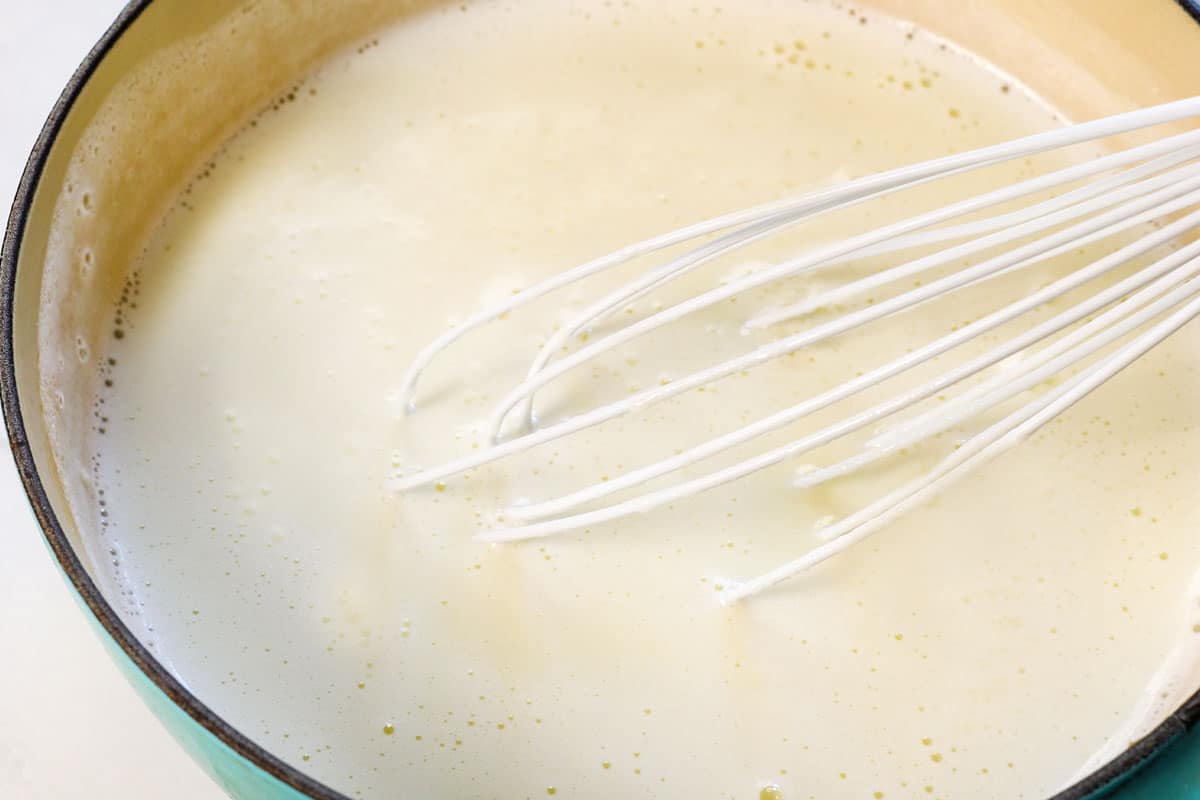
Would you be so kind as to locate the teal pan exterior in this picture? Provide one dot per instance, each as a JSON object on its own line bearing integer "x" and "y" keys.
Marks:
{"x": 1163, "y": 766}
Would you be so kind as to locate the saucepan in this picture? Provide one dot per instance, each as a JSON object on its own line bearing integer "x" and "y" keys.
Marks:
{"x": 150, "y": 99}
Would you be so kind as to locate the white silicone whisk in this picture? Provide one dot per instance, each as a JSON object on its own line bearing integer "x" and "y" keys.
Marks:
{"x": 1151, "y": 190}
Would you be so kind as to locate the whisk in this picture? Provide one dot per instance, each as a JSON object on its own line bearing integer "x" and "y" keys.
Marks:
{"x": 1152, "y": 189}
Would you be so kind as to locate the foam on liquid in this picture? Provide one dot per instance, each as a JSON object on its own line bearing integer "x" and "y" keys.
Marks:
{"x": 247, "y": 433}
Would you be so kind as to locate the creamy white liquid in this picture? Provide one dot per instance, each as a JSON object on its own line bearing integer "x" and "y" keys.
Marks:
{"x": 984, "y": 646}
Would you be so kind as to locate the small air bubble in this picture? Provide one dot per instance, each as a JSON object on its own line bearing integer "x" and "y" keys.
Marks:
{"x": 86, "y": 261}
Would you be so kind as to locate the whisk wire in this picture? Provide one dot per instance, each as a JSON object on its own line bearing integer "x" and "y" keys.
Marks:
{"x": 1045, "y": 364}
{"x": 774, "y": 224}
{"x": 1168, "y": 186}
{"x": 993, "y": 441}
{"x": 1022, "y": 255}
{"x": 908, "y": 361}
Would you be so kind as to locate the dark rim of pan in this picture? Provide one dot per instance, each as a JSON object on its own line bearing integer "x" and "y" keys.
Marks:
{"x": 1121, "y": 768}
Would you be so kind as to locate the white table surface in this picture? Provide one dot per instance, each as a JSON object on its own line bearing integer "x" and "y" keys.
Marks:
{"x": 70, "y": 727}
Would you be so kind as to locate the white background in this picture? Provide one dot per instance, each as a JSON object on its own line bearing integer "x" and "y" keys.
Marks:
{"x": 69, "y": 725}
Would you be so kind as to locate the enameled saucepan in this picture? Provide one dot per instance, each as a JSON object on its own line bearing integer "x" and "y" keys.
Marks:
{"x": 163, "y": 89}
